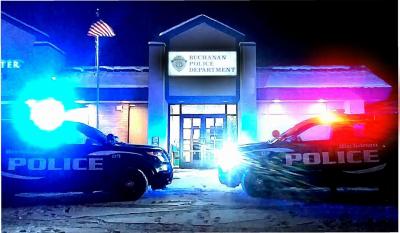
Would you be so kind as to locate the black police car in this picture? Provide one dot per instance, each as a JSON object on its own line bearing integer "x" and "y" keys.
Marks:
{"x": 77, "y": 157}
{"x": 335, "y": 150}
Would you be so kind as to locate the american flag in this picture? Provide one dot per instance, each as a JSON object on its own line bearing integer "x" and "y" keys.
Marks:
{"x": 100, "y": 29}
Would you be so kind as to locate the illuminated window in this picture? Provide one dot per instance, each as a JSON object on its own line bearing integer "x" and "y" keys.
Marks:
{"x": 174, "y": 131}
{"x": 187, "y": 123}
{"x": 231, "y": 130}
{"x": 174, "y": 109}
{"x": 186, "y": 156}
{"x": 203, "y": 109}
{"x": 219, "y": 122}
{"x": 78, "y": 114}
{"x": 196, "y": 122}
{"x": 317, "y": 108}
{"x": 209, "y": 122}
{"x": 231, "y": 109}
{"x": 268, "y": 123}
{"x": 275, "y": 108}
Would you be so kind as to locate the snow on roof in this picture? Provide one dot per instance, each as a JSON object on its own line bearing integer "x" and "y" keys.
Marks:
{"x": 317, "y": 77}
{"x": 307, "y": 67}
{"x": 200, "y": 18}
{"x": 124, "y": 77}
{"x": 112, "y": 68}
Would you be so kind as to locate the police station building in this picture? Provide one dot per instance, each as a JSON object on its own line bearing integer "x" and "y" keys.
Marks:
{"x": 202, "y": 88}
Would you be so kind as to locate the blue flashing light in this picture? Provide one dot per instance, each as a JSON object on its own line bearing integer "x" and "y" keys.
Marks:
{"x": 47, "y": 114}
{"x": 38, "y": 113}
{"x": 36, "y": 137}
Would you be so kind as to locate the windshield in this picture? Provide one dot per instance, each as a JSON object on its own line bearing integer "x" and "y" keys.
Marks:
{"x": 295, "y": 130}
{"x": 86, "y": 134}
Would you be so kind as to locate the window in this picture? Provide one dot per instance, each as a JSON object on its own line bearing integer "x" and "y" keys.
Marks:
{"x": 83, "y": 134}
{"x": 350, "y": 133}
{"x": 203, "y": 109}
{"x": 315, "y": 133}
{"x": 231, "y": 109}
{"x": 174, "y": 109}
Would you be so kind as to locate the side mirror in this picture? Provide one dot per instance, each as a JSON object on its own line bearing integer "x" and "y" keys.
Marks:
{"x": 111, "y": 139}
{"x": 276, "y": 133}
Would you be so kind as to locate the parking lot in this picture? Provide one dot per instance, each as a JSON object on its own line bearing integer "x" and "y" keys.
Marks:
{"x": 195, "y": 201}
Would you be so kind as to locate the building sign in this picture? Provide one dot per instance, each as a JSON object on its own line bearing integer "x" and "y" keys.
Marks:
{"x": 155, "y": 141}
{"x": 221, "y": 63}
{"x": 11, "y": 64}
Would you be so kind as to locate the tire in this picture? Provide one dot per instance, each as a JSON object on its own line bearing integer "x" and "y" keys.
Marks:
{"x": 133, "y": 186}
{"x": 253, "y": 185}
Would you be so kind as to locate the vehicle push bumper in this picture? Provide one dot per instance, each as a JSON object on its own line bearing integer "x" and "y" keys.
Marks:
{"x": 230, "y": 178}
{"x": 163, "y": 176}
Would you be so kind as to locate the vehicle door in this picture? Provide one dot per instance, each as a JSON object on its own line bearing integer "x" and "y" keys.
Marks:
{"x": 311, "y": 150}
{"x": 29, "y": 163}
{"x": 20, "y": 168}
{"x": 78, "y": 165}
{"x": 361, "y": 154}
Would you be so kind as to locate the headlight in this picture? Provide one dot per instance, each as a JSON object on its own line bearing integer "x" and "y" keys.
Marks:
{"x": 163, "y": 167}
{"x": 229, "y": 157}
{"x": 158, "y": 154}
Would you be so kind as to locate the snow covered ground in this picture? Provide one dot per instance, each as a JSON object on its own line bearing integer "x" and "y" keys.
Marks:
{"x": 196, "y": 201}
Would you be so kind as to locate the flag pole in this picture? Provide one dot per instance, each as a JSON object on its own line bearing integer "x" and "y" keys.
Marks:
{"x": 99, "y": 29}
{"x": 97, "y": 82}
{"x": 97, "y": 74}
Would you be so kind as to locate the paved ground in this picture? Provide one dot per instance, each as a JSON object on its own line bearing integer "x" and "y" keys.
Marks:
{"x": 195, "y": 201}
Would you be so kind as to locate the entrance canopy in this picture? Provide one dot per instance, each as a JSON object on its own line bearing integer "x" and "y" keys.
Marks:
{"x": 320, "y": 82}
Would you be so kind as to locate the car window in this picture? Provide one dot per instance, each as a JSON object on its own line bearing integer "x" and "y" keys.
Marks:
{"x": 91, "y": 135}
{"x": 82, "y": 137}
{"x": 350, "y": 133}
{"x": 315, "y": 133}
{"x": 77, "y": 138}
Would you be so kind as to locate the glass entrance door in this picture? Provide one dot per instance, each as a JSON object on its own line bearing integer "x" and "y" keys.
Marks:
{"x": 201, "y": 136}
{"x": 191, "y": 144}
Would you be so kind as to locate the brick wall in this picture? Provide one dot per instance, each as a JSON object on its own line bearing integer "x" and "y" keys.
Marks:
{"x": 112, "y": 120}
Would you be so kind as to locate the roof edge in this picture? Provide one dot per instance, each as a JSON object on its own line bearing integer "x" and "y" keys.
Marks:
{"x": 314, "y": 68}
{"x": 176, "y": 27}
{"x": 49, "y": 44}
{"x": 7, "y": 16}
{"x": 110, "y": 68}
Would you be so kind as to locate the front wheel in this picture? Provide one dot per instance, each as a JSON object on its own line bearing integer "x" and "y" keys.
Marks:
{"x": 134, "y": 185}
{"x": 252, "y": 184}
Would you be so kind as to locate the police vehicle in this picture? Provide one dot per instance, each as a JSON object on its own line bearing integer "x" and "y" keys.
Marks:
{"x": 80, "y": 158}
{"x": 334, "y": 150}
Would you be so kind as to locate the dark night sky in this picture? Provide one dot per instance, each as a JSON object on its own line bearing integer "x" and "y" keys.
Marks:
{"x": 287, "y": 33}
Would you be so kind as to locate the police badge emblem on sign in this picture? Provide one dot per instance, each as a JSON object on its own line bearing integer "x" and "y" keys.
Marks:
{"x": 179, "y": 63}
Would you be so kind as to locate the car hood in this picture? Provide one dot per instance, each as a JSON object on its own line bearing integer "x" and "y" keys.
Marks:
{"x": 137, "y": 146}
{"x": 253, "y": 146}
{"x": 141, "y": 149}
{"x": 264, "y": 148}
